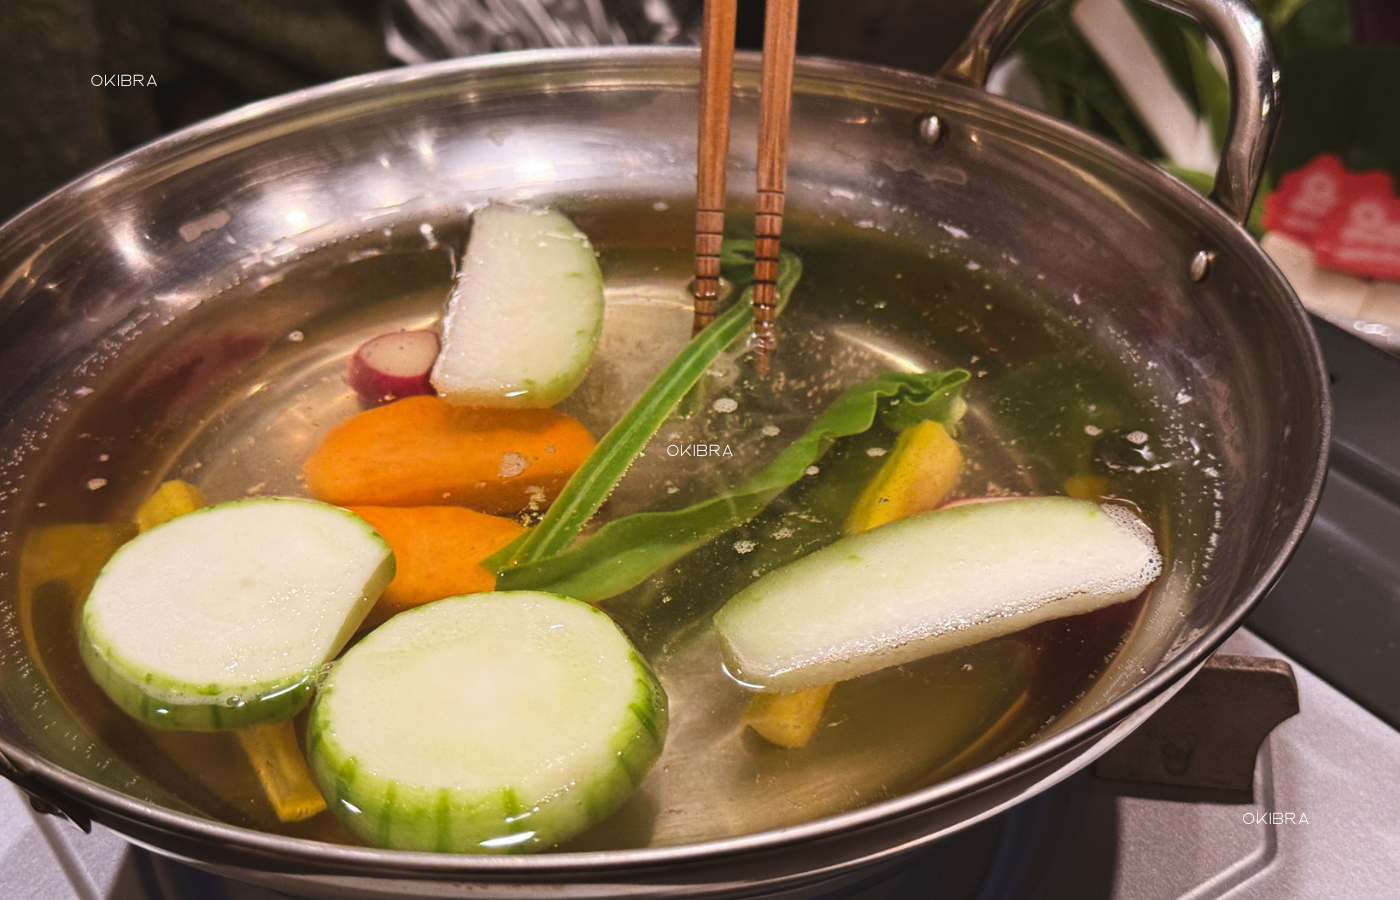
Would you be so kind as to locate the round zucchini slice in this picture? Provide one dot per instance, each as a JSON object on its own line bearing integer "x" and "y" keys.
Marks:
{"x": 491, "y": 723}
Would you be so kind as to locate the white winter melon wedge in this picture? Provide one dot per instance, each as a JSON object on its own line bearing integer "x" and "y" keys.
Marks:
{"x": 223, "y": 617}
{"x": 491, "y": 723}
{"x": 524, "y": 317}
{"x": 931, "y": 583}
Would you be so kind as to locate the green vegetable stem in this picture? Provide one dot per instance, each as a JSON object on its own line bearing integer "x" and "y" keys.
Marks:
{"x": 599, "y": 474}
{"x": 626, "y": 551}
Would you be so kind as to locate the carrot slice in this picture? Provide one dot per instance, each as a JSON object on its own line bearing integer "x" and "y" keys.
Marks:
{"x": 438, "y": 550}
{"x": 282, "y": 770}
{"x": 788, "y": 720}
{"x": 919, "y": 473}
{"x": 423, "y": 451}
{"x": 171, "y": 500}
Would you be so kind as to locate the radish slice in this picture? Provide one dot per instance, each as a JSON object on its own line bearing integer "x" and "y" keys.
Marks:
{"x": 525, "y": 315}
{"x": 394, "y": 365}
{"x": 930, "y": 583}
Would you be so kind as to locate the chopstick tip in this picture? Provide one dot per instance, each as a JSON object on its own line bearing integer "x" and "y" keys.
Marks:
{"x": 763, "y": 343}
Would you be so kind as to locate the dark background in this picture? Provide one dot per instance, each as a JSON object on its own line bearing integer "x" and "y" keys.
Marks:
{"x": 1340, "y": 60}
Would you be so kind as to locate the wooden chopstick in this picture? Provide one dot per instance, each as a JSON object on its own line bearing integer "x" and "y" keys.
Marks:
{"x": 716, "y": 80}
{"x": 779, "y": 56}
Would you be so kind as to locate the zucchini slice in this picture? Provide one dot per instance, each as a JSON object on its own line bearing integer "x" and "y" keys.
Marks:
{"x": 223, "y": 617}
{"x": 524, "y": 317}
{"x": 930, "y": 583}
{"x": 491, "y": 723}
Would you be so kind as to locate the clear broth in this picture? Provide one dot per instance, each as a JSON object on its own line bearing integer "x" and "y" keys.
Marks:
{"x": 235, "y": 395}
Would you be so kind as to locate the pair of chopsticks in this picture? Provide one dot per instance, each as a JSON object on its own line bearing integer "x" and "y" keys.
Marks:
{"x": 716, "y": 78}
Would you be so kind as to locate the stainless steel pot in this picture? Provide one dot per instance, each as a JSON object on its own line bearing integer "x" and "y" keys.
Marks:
{"x": 98, "y": 279}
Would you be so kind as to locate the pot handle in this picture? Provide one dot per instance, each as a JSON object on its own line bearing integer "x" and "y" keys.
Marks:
{"x": 1254, "y": 78}
{"x": 44, "y": 800}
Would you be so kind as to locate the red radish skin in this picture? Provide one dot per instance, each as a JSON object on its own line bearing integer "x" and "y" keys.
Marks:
{"x": 394, "y": 365}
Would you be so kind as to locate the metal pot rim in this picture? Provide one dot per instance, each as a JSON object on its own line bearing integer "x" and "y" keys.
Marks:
{"x": 1156, "y": 688}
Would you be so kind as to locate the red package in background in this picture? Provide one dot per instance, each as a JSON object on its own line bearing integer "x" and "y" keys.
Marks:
{"x": 1361, "y": 237}
{"x": 1306, "y": 197}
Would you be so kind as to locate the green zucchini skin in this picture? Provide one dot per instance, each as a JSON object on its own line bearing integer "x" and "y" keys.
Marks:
{"x": 166, "y": 701}
{"x": 390, "y": 813}
{"x": 206, "y": 709}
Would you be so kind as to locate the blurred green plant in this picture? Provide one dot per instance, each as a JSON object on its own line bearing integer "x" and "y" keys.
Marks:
{"x": 1339, "y": 96}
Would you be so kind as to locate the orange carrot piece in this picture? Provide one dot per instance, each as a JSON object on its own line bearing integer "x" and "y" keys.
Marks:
{"x": 423, "y": 451}
{"x": 438, "y": 550}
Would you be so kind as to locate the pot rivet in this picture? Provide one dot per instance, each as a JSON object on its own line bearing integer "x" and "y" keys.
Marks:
{"x": 930, "y": 130}
{"x": 1200, "y": 264}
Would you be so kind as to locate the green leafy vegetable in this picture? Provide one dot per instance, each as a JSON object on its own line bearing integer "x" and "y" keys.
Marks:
{"x": 624, "y": 552}
{"x": 802, "y": 519}
{"x": 599, "y": 474}
{"x": 1277, "y": 13}
{"x": 1076, "y": 84}
{"x": 1341, "y": 93}
{"x": 1212, "y": 89}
